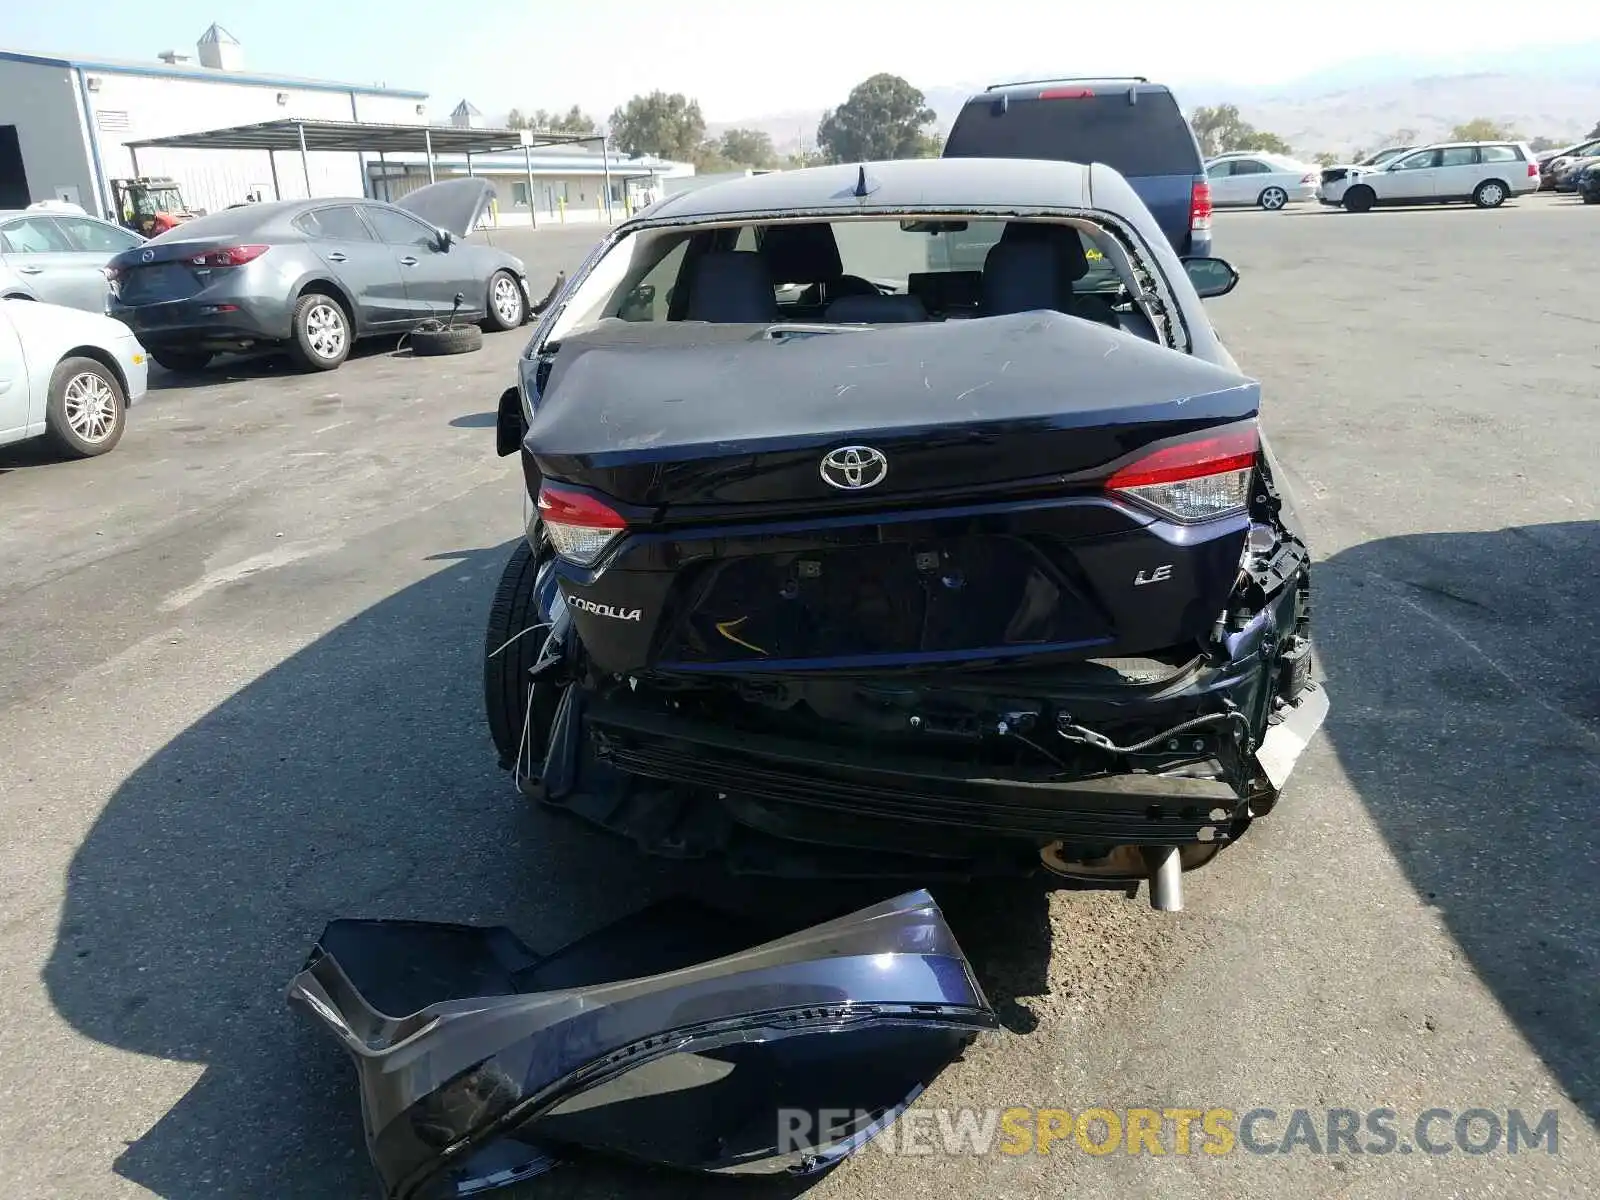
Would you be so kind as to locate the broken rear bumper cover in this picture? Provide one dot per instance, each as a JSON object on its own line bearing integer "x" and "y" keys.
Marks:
{"x": 1206, "y": 747}
{"x": 675, "y": 1037}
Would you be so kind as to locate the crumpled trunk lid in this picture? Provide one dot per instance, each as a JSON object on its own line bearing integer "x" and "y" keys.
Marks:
{"x": 669, "y": 1037}
{"x": 693, "y": 417}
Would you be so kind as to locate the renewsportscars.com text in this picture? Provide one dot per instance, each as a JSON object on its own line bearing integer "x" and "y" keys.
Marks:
{"x": 1181, "y": 1131}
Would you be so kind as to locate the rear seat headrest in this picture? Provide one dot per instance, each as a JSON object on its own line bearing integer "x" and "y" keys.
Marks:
{"x": 876, "y": 310}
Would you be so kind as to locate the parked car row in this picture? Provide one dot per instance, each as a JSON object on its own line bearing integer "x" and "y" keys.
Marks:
{"x": 1559, "y": 169}
{"x": 1486, "y": 174}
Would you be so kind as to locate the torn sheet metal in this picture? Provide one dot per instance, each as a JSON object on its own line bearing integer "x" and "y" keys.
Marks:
{"x": 676, "y": 1037}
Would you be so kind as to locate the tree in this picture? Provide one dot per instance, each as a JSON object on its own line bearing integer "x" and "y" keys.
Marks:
{"x": 748, "y": 147}
{"x": 1481, "y": 129}
{"x": 574, "y": 121}
{"x": 1595, "y": 132}
{"x": 1326, "y": 158}
{"x": 884, "y": 117}
{"x": 1222, "y": 129}
{"x": 671, "y": 126}
{"x": 515, "y": 119}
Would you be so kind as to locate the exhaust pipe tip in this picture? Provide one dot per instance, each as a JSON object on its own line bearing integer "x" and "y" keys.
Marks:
{"x": 1166, "y": 878}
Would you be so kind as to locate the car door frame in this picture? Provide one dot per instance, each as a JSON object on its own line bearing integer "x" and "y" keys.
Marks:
{"x": 37, "y": 272}
{"x": 1225, "y": 194}
{"x": 16, "y": 400}
{"x": 430, "y": 293}
{"x": 374, "y": 309}
{"x": 1470, "y": 174}
{"x": 88, "y": 272}
{"x": 1419, "y": 180}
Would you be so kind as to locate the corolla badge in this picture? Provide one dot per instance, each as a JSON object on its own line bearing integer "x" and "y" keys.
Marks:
{"x": 147, "y": 256}
{"x": 854, "y": 468}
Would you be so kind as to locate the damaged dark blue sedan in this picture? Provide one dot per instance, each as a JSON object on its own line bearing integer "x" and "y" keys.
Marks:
{"x": 901, "y": 520}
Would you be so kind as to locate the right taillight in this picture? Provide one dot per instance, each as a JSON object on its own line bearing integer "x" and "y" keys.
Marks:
{"x": 1195, "y": 480}
{"x": 1533, "y": 170}
{"x": 1200, "y": 205}
{"x": 580, "y": 526}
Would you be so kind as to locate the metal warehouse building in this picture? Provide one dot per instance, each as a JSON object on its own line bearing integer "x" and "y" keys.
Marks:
{"x": 65, "y": 124}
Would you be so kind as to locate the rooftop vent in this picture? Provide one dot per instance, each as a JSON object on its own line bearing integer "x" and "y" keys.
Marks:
{"x": 466, "y": 116}
{"x": 172, "y": 57}
{"x": 220, "y": 50}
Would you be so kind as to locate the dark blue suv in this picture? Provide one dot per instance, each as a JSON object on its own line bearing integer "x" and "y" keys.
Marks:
{"x": 1131, "y": 124}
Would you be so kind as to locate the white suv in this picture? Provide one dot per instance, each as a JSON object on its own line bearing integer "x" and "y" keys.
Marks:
{"x": 1486, "y": 173}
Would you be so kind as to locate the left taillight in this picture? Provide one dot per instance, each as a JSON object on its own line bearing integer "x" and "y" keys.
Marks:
{"x": 230, "y": 256}
{"x": 1200, "y": 205}
{"x": 580, "y": 526}
{"x": 1533, "y": 170}
{"x": 1196, "y": 480}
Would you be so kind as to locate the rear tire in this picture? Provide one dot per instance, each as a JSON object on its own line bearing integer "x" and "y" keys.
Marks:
{"x": 507, "y": 663}
{"x": 86, "y": 409}
{"x": 1273, "y": 198}
{"x": 320, "y": 333}
{"x": 1491, "y": 193}
{"x": 507, "y": 304}
{"x": 1359, "y": 199}
{"x": 183, "y": 362}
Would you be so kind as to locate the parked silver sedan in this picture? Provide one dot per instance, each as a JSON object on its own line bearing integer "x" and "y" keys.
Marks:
{"x": 59, "y": 257}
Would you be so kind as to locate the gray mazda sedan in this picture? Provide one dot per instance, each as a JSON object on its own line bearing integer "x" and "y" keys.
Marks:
{"x": 312, "y": 276}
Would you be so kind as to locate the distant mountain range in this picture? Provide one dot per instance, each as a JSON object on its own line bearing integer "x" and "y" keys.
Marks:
{"x": 1549, "y": 91}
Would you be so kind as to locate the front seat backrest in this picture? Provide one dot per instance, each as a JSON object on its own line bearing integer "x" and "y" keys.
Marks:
{"x": 1018, "y": 277}
{"x": 731, "y": 287}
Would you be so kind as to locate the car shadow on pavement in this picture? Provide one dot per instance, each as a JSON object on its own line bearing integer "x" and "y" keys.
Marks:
{"x": 1466, "y": 712}
{"x": 355, "y": 778}
{"x": 265, "y": 364}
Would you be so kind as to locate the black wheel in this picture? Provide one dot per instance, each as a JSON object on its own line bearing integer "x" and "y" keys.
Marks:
{"x": 509, "y": 657}
{"x": 182, "y": 361}
{"x": 508, "y": 303}
{"x": 455, "y": 339}
{"x": 1491, "y": 193}
{"x": 1591, "y": 197}
{"x": 86, "y": 408}
{"x": 1272, "y": 198}
{"x": 1359, "y": 199}
{"x": 320, "y": 338}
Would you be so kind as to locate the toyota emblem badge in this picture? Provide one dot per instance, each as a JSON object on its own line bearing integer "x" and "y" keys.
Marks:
{"x": 854, "y": 468}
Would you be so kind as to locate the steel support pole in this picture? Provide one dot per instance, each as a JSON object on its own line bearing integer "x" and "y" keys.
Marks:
{"x": 133, "y": 153}
{"x": 305, "y": 162}
{"x": 527, "y": 163}
{"x": 427, "y": 140}
{"x": 272, "y": 161}
{"x": 469, "y": 164}
{"x": 383, "y": 173}
{"x": 605, "y": 163}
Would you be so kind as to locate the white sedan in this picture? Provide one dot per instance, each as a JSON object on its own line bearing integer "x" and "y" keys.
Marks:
{"x": 66, "y": 375}
{"x": 1268, "y": 180}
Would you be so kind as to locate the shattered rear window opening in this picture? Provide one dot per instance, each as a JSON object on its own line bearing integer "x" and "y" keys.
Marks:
{"x": 887, "y": 269}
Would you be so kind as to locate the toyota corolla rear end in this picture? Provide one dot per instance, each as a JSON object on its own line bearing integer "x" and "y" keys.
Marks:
{"x": 939, "y": 599}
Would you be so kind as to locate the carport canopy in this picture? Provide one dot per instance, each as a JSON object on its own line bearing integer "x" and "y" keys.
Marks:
{"x": 305, "y": 135}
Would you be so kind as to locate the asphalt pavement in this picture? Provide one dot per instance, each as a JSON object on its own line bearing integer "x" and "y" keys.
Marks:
{"x": 240, "y": 696}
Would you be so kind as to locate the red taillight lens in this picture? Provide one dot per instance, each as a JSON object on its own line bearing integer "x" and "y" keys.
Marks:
{"x": 233, "y": 256}
{"x": 1067, "y": 93}
{"x": 1533, "y": 170}
{"x": 1196, "y": 480}
{"x": 579, "y": 525}
{"x": 1200, "y": 205}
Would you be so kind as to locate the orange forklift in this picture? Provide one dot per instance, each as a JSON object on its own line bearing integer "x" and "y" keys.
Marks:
{"x": 149, "y": 205}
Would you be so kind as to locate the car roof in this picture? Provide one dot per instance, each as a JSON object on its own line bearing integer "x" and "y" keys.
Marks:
{"x": 979, "y": 183}
{"x": 1030, "y": 88}
{"x": 7, "y": 213}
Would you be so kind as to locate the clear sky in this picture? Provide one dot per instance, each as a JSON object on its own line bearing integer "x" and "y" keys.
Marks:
{"x": 744, "y": 58}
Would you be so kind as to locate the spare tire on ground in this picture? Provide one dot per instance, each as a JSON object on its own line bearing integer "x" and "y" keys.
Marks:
{"x": 454, "y": 339}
